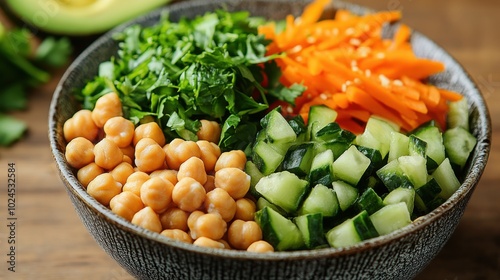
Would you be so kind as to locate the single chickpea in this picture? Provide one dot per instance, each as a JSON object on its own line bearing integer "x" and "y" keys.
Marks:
{"x": 103, "y": 188}
{"x": 193, "y": 217}
{"x": 149, "y": 130}
{"x": 220, "y": 202}
{"x": 260, "y": 246}
{"x": 79, "y": 152}
{"x": 107, "y": 154}
{"x": 106, "y": 107}
{"x": 210, "y": 184}
{"x": 226, "y": 244}
{"x": 245, "y": 209}
{"x": 210, "y": 152}
{"x": 194, "y": 168}
{"x": 210, "y": 243}
{"x": 233, "y": 180}
{"x": 129, "y": 151}
{"x": 209, "y": 130}
{"x": 209, "y": 225}
{"x": 166, "y": 174}
{"x": 119, "y": 130}
{"x": 149, "y": 156}
{"x": 135, "y": 181}
{"x": 80, "y": 125}
{"x": 174, "y": 218}
{"x": 88, "y": 173}
{"x": 128, "y": 160}
{"x": 243, "y": 233}
{"x": 122, "y": 171}
{"x": 148, "y": 219}
{"x": 188, "y": 194}
{"x": 235, "y": 158}
{"x": 157, "y": 194}
{"x": 177, "y": 234}
{"x": 126, "y": 204}
{"x": 178, "y": 151}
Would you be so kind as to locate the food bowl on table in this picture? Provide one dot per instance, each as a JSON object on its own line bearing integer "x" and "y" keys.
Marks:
{"x": 146, "y": 255}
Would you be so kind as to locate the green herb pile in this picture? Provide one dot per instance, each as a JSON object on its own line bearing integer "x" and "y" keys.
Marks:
{"x": 211, "y": 67}
{"x": 21, "y": 69}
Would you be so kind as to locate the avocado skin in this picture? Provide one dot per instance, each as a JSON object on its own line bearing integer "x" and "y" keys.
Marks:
{"x": 86, "y": 22}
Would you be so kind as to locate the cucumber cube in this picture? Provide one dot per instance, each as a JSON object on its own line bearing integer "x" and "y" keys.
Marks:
{"x": 350, "y": 166}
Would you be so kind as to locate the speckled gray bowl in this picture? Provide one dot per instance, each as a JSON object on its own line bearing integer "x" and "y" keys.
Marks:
{"x": 146, "y": 255}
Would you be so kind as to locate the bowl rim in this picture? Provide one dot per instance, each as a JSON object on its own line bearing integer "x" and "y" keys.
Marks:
{"x": 477, "y": 164}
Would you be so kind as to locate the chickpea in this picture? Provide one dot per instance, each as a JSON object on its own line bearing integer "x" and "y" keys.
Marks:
{"x": 107, "y": 154}
{"x": 119, "y": 130}
{"x": 188, "y": 194}
{"x": 103, "y": 188}
{"x": 207, "y": 242}
{"x": 178, "y": 151}
{"x": 235, "y": 158}
{"x": 226, "y": 244}
{"x": 243, "y": 233}
{"x": 149, "y": 156}
{"x": 128, "y": 160}
{"x": 129, "y": 151}
{"x": 260, "y": 246}
{"x": 106, "y": 107}
{"x": 209, "y": 130}
{"x": 177, "y": 234}
{"x": 174, "y": 218}
{"x": 210, "y": 152}
{"x": 149, "y": 130}
{"x": 194, "y": 168}
{"x": 245, "y": 209}
{"x": 233, "y": 180}
{"x": 88, "y": 173}
{"x": 166, "y": 174}
{"x": 126, "y": 204}
{"x": 209, "y": 225}
{"x": 122, "y": 171}
{"x": 80, "y": 125}
{"x": 148, "y": 219}
{"x": 157, "y": 194}
{"x": 220, "y": 202}
{"x": 210, "y": 184}
{"x": 79, "y": 152}
{"x": 193, "y": 217}
{"x": 135, "y": 181}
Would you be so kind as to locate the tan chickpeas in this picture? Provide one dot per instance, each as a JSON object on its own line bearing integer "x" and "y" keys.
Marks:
{"x": 235, "y": 158}
{"x": 121, "y": 172}
{"x": 260, "y": 246}
{"x": 80, "y": 124}
{"x": 233, "y": 180}
{"x": 149, "y": 130}
{"x": 157, "y": 194}
{"x": 79, "y": 152}
{"x": 209, "y": 225}
{"x": 175, "y": 218}
{"x": 245, "y": 209}
{"x": 177, "y": 234}
{"x": 210, "y": 152}
{"x": 106, "y": 107}
{"x": 241, "y": 234}
{"x": 88, "y": 173}
{"x": 166, "y": 174}
{"x": 188, "y": 194}
{"x": 107, "y": 154}
{"x": 209, "y": 131}
{"x": 220, "y": 202}
{"x": 126, "y": 204}
{"x": 103, "y": 188}
{"x": 135, "y": 181}
{"x": 210, "y": 243}
{"x": 148, "y": 219}
{"x": 193, "y": 168}
{"x": 119, "y": 130}
{"x": 179, "y": 150}
{"x": 210, "y": 184}
{"x": 149, "y": 156}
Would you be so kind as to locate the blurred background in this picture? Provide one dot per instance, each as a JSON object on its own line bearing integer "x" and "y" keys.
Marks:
{"x": 52, "y": 243}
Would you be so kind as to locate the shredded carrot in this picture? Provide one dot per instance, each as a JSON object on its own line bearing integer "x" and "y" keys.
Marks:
{"x": 346, "y": 64}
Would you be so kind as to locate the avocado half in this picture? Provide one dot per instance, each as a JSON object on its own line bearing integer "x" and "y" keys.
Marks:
{"x": 79, "y": 17}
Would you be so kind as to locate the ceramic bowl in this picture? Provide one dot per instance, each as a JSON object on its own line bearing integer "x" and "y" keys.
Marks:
{"x": 147, "y": 255}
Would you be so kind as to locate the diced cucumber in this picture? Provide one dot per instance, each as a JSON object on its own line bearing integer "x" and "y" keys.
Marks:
{"x": 336, "y": 146}
{"x": 434, "y": 139}
{"x": 458, "y": 114}
{"x": 346, "y": 194}
{"x": 266, "y": 157}
{"x": 350, "y": 166}
{"x": 319, "y": 116}
{"x": 262, "y": 202}
{"x": 352, "y": 231}
{"x": 364, "y": 226}
{"x": 377, "y": 135}
{"x": 399, "y": 146}
{"x": 311, "y": 228}
{"x": 369, "y": 201}
{"x": 255, "y": 175}
{"x": 298, "y": 159}
{"x": 458, "y": 144}
{"x": 284, "y": 189}
{"x": 426, "y": 196}
{"x": 406, "y": 195}
{"x": 414, "y": 167}
{"x": 278, "y": 132}
{"x": 333, "y": 132}
{"x": 446, "y": 179}
{"x": 376, "y": 160}
{"x": 393, "y": 177}
{"x": 298, "y": 125}
{"x": 417, "y": 146}
{"x": 279, "y": 231}
{"x": 321, "y": 169}
{"x": 391, "y": 218}
{"x": 322, "y": 200}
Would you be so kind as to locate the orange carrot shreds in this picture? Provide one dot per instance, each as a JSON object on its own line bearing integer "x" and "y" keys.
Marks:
{"x": 346, "y": 64}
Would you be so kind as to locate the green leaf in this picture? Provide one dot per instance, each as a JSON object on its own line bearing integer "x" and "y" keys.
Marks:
{"x": 54, "y": 52}
{"x": 11, "y": 130}
{"x": 13, "y": 97}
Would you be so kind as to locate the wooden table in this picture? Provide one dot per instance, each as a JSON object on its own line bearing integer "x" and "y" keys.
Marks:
{"x": 51, "y": 242}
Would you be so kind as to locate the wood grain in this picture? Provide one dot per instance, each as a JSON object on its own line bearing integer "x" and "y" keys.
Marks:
{"x": 53, "y": 244}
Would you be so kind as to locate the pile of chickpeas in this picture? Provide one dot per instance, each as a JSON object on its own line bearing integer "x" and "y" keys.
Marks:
{"x": 185, "y": 190}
